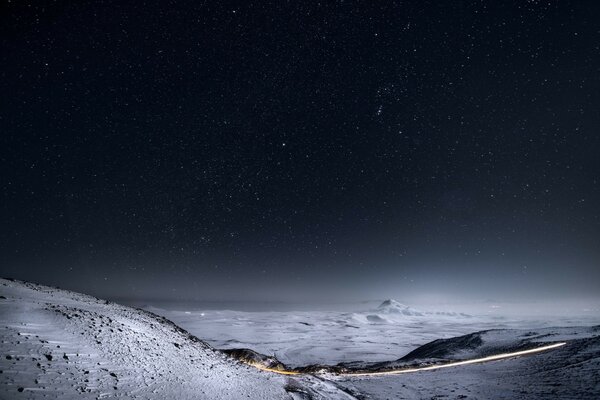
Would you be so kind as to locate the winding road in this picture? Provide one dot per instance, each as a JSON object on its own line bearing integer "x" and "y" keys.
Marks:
{"x": 495, "y": 357}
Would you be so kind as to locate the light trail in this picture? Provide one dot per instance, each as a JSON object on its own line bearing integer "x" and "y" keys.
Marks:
{"x": 428, "y": 368}
{"x": 277, "y": 371}
{"x": 459, "y": 363}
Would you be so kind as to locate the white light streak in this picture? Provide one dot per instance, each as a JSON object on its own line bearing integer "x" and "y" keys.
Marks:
{"x": 428, "y": 368}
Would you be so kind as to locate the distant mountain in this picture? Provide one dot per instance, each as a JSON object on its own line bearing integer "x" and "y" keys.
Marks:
{"x": 392, "y": 306}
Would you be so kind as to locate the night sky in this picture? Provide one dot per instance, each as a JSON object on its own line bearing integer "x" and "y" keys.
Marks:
{"x": 221, "y": 150}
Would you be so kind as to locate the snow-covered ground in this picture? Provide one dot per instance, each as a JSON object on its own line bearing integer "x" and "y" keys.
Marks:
{"x": 369, "y": 332}
{"x": 60, "y": 344}
{"x": 571, "y": 371}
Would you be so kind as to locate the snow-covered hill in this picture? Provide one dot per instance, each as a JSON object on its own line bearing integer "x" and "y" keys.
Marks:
{"x": 571, "y": 371}
{"x": 64, "y": 345}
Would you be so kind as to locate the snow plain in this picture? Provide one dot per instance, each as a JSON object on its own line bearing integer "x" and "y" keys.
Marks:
{"x": 370, "y": 332}
{"x": 59, "y": 344}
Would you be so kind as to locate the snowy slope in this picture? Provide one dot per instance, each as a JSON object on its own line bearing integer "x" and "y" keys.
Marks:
{"x": 571, "y": 371}
{"x": 64, "y": 345}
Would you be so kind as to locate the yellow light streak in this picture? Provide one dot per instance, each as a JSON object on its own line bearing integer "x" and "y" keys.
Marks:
{"x": 428, "y": 368}
{"x": 277, "y": 371}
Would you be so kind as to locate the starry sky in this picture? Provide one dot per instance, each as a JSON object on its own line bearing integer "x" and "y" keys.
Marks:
{"x": 219, "y": 150}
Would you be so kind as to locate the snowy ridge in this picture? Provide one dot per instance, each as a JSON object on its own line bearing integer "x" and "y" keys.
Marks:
{"x": 65, "y": 345}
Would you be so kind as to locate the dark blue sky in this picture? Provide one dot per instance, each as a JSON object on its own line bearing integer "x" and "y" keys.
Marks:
{"x": 197, "y": 148}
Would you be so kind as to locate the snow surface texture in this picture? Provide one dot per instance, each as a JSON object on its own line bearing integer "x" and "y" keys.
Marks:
{"x": 60, "y": 344}
{"x": 63, "y": 345}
